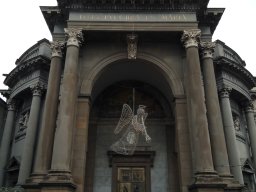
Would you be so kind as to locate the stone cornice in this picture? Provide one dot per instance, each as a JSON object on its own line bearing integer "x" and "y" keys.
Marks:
{"x": 210, "y": 17}
{"x": 35, "y": 63}
{"x": 234, "y": 68}
{"x": 132, "y": 5}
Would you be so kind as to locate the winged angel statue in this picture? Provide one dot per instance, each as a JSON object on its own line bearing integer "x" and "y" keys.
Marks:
{"x": 134, "y": 125}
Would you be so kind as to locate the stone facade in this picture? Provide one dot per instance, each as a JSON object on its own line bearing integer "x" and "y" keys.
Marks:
{"x": 65, "y": 99}
{"x": 2, "y": 116}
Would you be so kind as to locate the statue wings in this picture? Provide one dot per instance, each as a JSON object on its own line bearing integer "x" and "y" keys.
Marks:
{"x": 134, "y": 125}
{"x": 125, "y": 119}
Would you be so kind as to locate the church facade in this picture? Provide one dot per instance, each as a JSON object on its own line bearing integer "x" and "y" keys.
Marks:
{"x": 130, "y": 96}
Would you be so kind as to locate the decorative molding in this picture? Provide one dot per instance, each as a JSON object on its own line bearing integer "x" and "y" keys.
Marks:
{"x": 191, "y": 38}
{"x": 224, "y": 92}
{"x": 37, "y": 89}
{"x": 207, "y": 49}
{"x": 57, "y": 47}
{"x": 74, "y": 36}
{"x": 132, "y": 40}
{"x": 137, "y": 157}
{"x": 23, "y": 120}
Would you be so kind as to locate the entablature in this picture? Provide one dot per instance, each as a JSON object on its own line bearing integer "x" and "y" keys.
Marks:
{"x": 234, "y": 69}
{"x": 22, "y": 70}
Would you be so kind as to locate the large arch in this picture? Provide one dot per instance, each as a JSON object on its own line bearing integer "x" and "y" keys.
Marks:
{"x": 171, "y": 79}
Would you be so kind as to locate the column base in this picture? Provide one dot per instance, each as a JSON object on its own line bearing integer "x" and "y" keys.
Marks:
{"x": 32, "y": 183}
{"x": 207, "y": 182}
{"x": 232, "y": 184}
{"x": 58, "y": 181}
{"x": 36, "y": 178}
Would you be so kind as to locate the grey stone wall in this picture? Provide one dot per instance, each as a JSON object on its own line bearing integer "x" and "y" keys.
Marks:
{"x": 2, "y": 117}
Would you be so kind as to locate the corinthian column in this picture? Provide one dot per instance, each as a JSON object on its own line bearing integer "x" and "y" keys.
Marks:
{"x": 61, "y": 157}
{"x": 6, "y": 139}
{"x": 28, "y": 148}
{"x": 218, "y": 143}
{"x": 252, "y": 129}
{"x": 230, "y": 135}
{"x": 44, "y": 148}
{"x": 196, "y": 106}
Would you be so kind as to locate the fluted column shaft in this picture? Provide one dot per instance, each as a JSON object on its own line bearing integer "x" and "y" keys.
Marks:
{"x": 196, "y": 106}
{"x": 252, "y": 130}
{"x": 6, "y": 139}
{"x": 218, "y": 143}
{"x": 63, "y": 136}
{"x": 29, "y": 144}
{"x": 45, "y": 145}
{"x": 230, "y": 135}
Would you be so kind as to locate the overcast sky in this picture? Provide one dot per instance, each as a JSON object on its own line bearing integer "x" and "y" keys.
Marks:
{"x": 22, "y": 25}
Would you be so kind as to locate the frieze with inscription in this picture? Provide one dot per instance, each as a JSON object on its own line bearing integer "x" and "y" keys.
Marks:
{"x": 133, "y": 17}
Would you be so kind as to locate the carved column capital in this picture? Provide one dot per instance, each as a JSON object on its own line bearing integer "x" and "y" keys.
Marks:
{"x": 249, "y": 107}
{"x": 191, "y": 38}
{"x": 224, "y": 92}
{"x": 132, "y": 40}
{"x": 37, "y": 89}
{"x": 57, "y": 47}
{"x": 207, "y": 49}
{"x": 74, "y": 36}
{"x": 11, "y": 105}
